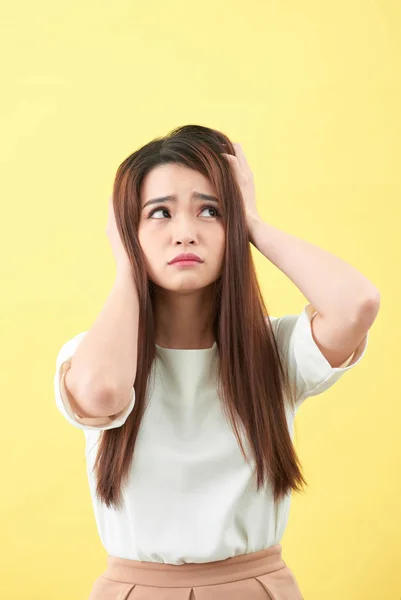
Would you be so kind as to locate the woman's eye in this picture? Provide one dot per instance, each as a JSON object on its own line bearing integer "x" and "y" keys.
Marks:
{"x": 210, "y": 208}
{"x": 156, "y": 210}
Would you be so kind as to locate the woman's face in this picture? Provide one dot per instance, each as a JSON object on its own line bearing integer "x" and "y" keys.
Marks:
{"x": 185, "y": 224}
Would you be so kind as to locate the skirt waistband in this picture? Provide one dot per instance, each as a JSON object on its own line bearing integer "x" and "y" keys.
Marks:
{"x": 231, "y": 569}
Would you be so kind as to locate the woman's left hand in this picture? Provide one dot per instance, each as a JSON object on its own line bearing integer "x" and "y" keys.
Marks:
{"x": 245, "y": 180}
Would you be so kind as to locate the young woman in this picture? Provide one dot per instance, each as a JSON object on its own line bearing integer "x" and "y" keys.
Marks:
{"x": 186, "y": 390}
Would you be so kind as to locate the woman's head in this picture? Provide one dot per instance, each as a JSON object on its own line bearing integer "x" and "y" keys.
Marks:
{"x": 207, "y": 205}
{"x": 253, "y": 384}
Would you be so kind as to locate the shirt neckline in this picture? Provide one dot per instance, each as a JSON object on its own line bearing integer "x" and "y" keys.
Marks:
{"x": 187, "y": 349}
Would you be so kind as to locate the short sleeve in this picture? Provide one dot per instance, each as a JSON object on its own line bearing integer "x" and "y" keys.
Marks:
{"x": 309, "y": 370}
{"x": 62, "y": 396}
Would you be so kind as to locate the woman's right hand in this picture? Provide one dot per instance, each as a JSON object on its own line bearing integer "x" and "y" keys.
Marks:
{"x": 119, "y": 252}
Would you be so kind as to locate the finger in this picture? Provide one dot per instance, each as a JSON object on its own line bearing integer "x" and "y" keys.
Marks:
{"x": 239, "y": 153}
{"x": 233, "y": 162}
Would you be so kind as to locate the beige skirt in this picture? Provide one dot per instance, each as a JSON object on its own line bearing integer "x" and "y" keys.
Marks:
{"x": 259, "y": 575}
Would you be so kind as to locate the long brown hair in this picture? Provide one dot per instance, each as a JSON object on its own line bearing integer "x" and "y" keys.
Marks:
{"x": 253, "y": 384}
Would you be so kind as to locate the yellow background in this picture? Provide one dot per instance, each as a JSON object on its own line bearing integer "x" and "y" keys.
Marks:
{"x": 312, "y": 92}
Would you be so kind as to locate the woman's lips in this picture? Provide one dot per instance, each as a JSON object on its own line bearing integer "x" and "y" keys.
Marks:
{"x": 185, "y": 263}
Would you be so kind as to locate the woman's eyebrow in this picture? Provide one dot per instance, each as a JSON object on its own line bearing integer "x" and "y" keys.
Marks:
{"x": 173, "y": 198}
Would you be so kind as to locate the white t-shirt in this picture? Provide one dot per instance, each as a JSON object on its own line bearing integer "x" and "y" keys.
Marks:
{"x": 191, "y": 496}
